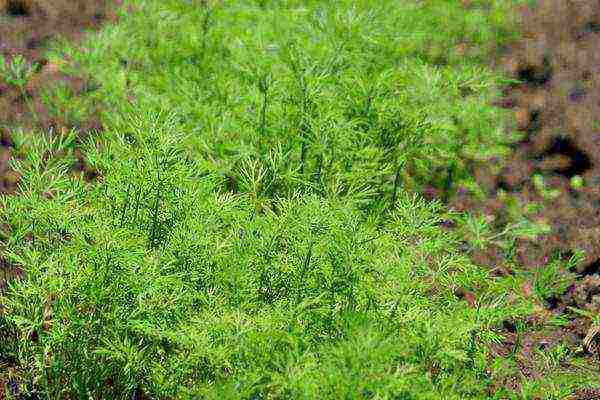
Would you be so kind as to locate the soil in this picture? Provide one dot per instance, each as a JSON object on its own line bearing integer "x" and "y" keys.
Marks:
{"x": 556, "y": 106}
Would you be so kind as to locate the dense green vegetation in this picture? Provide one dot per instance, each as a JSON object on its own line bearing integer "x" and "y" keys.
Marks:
{"x": 256, "y": 230}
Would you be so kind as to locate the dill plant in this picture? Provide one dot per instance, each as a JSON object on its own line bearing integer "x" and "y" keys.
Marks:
{"x": 254, "y": 233}
{"x": 164, "y": 284}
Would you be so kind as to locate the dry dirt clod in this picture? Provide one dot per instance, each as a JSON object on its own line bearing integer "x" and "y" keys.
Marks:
{"x": 591, "y": 342}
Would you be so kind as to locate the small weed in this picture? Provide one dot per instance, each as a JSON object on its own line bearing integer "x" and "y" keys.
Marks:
{"x": 16, "y": 72}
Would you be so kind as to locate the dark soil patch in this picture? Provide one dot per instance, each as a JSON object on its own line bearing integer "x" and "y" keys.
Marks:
{"x": 557, "y": 107}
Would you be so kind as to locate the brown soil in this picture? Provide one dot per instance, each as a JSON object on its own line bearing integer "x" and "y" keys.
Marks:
{"x": 557, "y": 108}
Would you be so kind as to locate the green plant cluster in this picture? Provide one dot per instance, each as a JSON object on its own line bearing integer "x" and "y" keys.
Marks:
{"x": 338, "y": 99}
{"x": 161, "y": 282}
{"x": 255, "y": 231}
{"x": 16, "y": 72}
